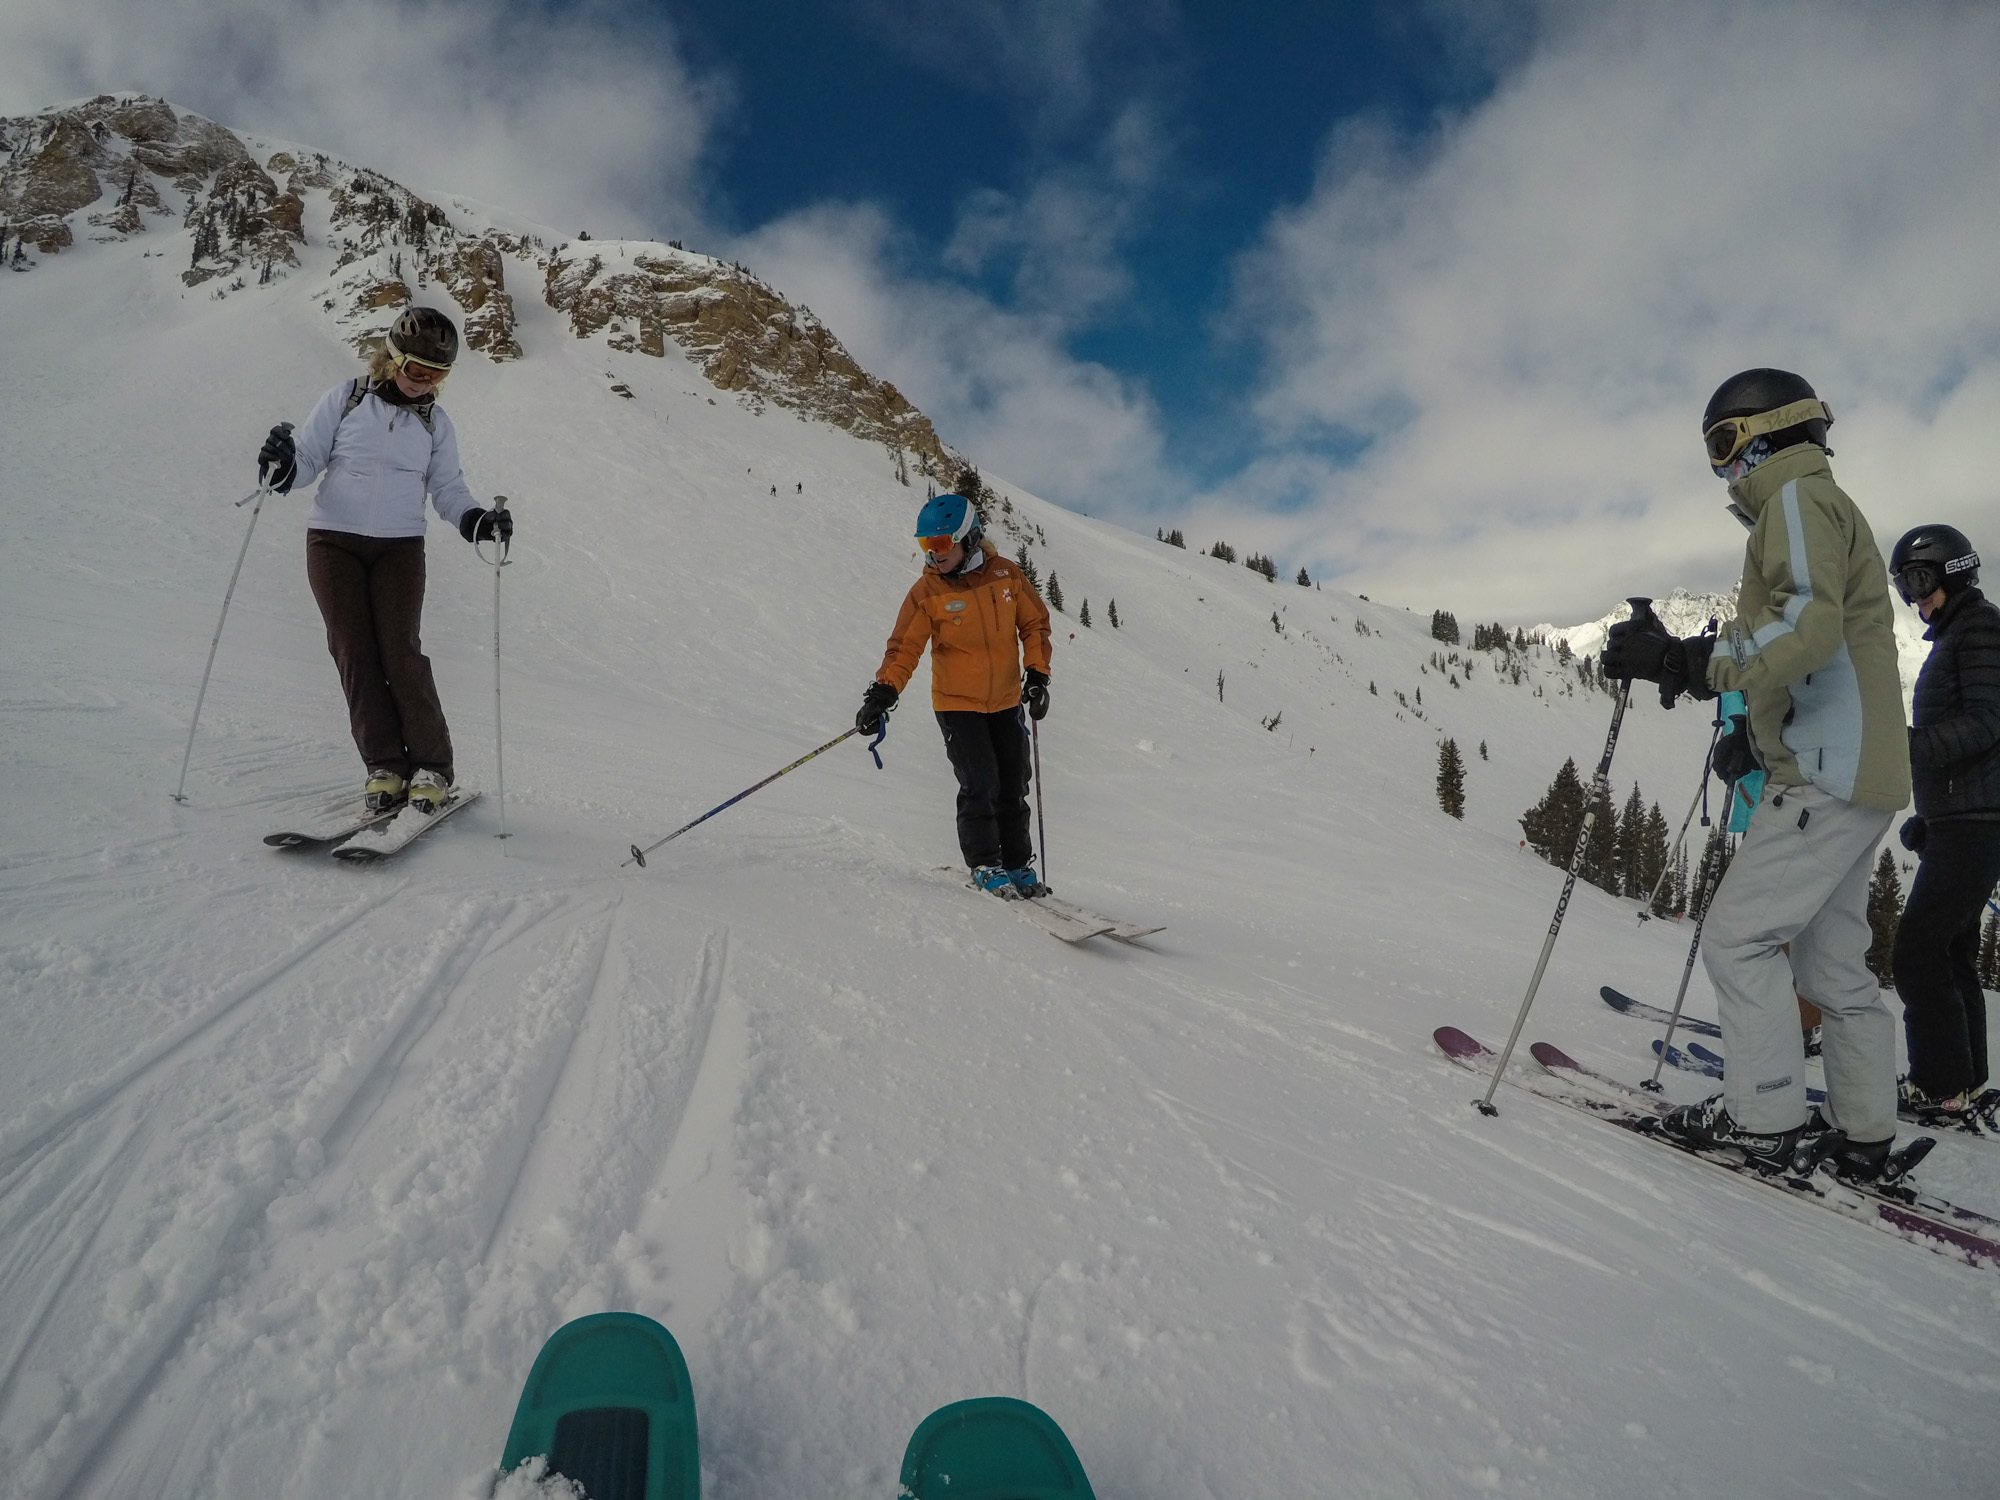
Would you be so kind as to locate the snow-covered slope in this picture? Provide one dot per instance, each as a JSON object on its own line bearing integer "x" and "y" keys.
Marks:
{"x": 299, "y": 1164}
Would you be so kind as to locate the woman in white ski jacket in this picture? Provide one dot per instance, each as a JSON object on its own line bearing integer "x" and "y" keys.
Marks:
{"x": 380, "y": 445}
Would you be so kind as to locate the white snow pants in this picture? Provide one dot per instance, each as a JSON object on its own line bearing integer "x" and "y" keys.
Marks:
{"x": 1801, "y": 877}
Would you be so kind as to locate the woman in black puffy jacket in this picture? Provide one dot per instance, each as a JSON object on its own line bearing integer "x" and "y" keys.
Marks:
{"x": 1955, "y": 770}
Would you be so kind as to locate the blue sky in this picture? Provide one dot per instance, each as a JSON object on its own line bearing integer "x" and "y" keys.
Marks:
{"x": 1427, "y": 297}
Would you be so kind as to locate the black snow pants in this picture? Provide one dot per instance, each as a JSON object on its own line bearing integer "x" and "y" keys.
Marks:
{"x": 989, "y": 753}
{"x": 1937, "y": 943}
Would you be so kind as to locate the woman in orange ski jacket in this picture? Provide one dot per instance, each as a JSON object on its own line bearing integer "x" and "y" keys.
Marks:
{"x": 981, "y": 617}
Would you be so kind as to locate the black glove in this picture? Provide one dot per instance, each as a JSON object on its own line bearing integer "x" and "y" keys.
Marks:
{"x": 877, "y": 701}
{"x": 1644, "y": 649}
{"x": 1035, "y": 693}
{"x": 278, "y": 459}
{"x": 1734, "y": 759}
{"x": 478, "y": 525}
{"x": 1912, "y": 834}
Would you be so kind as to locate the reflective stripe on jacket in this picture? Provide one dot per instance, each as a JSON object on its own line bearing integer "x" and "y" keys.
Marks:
{"x": 1813, "y": 644}
{"x": 379, "y": 463}
{"x": 979, "y": 624}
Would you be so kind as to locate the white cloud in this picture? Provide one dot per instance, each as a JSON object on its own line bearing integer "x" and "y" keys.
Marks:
{"x": 1517, "y": 317}
{"x": 998, "y": 383}
{"x": 576, "y": 119}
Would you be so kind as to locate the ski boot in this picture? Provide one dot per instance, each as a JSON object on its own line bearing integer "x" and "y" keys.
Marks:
{"x": 1027, "y": 882}
{"x": 1708, "y": 1125}
{"x": 1814, "y": 1042}
{"x": 1925, "y": 1108}
{"x": 1850, "y": 1161}
{"x": 429, "y": 792}
{"x": 995, "y": 881}
{"x": 385, "y": 792}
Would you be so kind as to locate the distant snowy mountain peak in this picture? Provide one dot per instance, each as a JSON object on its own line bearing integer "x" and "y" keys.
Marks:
{"x": 1682, "y": 611}
{"x": 111, "y": 167}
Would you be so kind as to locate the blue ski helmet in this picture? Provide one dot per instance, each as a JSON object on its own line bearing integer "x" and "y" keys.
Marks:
{"x": 949, "y": 516}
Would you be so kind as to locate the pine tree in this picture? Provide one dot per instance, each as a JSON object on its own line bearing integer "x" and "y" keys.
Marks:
{"x": 1111, "y": 613}
{"x": 1885, "y": 914}
{"x": 1218, "y": 684}
{"x": 1482, "y": 750}
{"x": 1444, "y": 627}
{"x": 1551, "y": 825}
{"x": 1276, "y": 625}
{"x": 1224, "y": 551}
{"x": 1631, "y": 846}
{"x": 1653, "y": 859}
{"x": 1055, "y": 594}
{"x": 1451, "y": 779}
{"x": 1083, "y": 614}
{"x": 1303, "y": 580}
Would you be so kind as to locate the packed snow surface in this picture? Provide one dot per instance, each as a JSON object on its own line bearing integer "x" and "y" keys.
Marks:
{"x": 299, "y": 1163}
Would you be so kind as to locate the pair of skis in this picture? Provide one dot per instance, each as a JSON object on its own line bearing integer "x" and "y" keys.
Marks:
{"x": 609, "y": 1407}
{"x": 373, "y": 836}
{"x": 1064, "y": 919}
{"x": 1980, "y": 1122}
{"x": 1892, "y": 1203}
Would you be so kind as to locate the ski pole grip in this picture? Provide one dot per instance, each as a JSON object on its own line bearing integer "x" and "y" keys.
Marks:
{"x": 1642, "y": 610}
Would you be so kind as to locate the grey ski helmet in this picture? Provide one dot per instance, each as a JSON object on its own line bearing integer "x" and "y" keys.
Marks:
{"x": 1760, "y": 402}
{"x": 424, "y": 333}
{"x": 1929, "y": 558}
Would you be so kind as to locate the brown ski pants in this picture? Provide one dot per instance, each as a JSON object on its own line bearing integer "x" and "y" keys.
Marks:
{"x": 370, "y": 592}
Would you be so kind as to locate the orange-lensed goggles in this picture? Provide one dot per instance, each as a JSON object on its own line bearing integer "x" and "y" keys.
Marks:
{"x": 418, "y": 370}
{"x": 937, "y": 546}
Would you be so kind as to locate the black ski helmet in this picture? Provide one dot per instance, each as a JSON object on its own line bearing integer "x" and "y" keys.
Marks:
{"x": 1929, "y": 558}
{"x": 1754, "y": 393}
{"x": 425, "y": 334}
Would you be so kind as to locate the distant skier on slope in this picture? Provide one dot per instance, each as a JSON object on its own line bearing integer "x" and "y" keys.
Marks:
{"x": 382, "y": 444}
{"x": 979, "y": 615}
{"x": 1955, "y": 763}
{"x": 1813, "y": 650}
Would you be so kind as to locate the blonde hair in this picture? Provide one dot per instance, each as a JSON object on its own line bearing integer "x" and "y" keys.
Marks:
{"x": 380, "y": 367}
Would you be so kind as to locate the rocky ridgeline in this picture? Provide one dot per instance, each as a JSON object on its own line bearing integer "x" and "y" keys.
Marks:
{"x": 109, "y": 166}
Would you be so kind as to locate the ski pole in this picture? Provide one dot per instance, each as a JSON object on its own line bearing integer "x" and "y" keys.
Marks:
{"x": 881, "y": 733}
{"x": 1041, "y": 828}
{"x": 260, "y": 494}
{"x": 1700, "y": 796}
{"x": 1710, "y": 880}
{"x": 499, "y": 758}
{"x": 1600, "y": 790}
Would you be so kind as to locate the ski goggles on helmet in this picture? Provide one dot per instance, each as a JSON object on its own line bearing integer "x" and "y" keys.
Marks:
{"x": 1732, "y": 435}
{"x": 418, "y": 370}
{"x": 1917, "y": 580}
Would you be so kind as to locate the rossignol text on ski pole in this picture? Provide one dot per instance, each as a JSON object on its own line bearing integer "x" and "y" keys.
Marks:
{"x": 500, "y": 550}
{"x": 638, "y": 856}
{"x": 1600, "y": 790}
{"x": 260, "y": 495}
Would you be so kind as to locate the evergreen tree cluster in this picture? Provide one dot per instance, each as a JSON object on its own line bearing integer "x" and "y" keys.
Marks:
{"x": 1224, "y": 551}
{"x": 1495, "y": 638}
{"x": 1171, "y": 538}
{"x": 1627, "y": 853}
{"x": 1444, "y": 626}
{"x": 1258, "y": 563}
